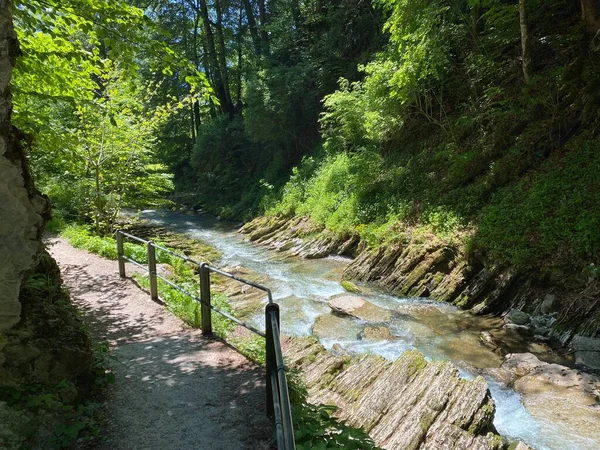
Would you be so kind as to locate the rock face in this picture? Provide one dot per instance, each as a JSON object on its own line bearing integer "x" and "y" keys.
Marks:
{"x": 298, "y": 236}
{"x": 22, "y": 207}
{"x": 42, "y": 342}
{"x": 587, "y": 352}
{"x": 429, "y": 269}
{"x": 408, "y": 404}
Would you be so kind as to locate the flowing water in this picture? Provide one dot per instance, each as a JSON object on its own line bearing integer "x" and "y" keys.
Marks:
{"x": 438, "y": 330}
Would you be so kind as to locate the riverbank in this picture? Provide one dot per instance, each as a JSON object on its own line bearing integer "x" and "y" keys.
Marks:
{"x": 303, "y": 288}
{"x": 425, "y": 266}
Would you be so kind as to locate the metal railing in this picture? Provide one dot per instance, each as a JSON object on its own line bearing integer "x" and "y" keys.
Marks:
{"x": 278, "y": 399}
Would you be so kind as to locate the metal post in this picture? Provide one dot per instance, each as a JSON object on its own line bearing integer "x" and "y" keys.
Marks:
{"x": 152, "y": 271}
{"x": 205, "y": 299}
{"x": 271, "y": 359}
{"x": 120, "y": 253}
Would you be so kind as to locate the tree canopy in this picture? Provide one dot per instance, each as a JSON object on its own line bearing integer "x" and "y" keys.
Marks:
{"x": 369, "y": 118}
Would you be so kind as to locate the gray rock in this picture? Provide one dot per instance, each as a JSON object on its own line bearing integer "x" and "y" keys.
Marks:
{"x": 22, "y": 207}
{"x": 12, "y": 424}
{"x": 518, "y": 317}
{"x": 584, "y": 343}
{"x": 587, "y": 352}
{"x": 542, "y": 321}
{"x": 547, "y": 305}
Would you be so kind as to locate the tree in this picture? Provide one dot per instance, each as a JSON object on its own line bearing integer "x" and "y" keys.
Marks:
{"x": 91, "y": 120}
{"x": 589, "y": 16}
{"x": 525, "y": 42}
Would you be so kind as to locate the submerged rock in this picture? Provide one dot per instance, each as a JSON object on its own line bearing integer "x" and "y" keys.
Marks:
{"x": 354, "y": 306}
{"x": 329, "y": 326}
{"x": 377, "y": 333}
{"x": 407, "y": 404}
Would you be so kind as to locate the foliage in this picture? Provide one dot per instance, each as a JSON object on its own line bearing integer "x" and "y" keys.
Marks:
{"x": 79, "y": 98}
{"x": 111, "y": 164}
{"x": 315, "y": 427}
{"x": 551, "y": 215}
{"x": 443, "y": 137}
{"x": 79, "y": 236}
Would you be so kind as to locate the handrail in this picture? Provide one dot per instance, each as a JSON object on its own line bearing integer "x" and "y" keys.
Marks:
{"x": 278, "y": 398}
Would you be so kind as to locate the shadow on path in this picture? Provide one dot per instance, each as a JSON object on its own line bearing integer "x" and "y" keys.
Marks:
{"x": 175, "y": 389}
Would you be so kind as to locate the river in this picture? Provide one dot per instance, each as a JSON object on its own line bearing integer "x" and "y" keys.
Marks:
{"x": 440, "y": 331}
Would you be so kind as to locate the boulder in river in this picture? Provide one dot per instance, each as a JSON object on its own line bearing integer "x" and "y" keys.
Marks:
{"x": 376, "y": 333}
{"x": 557, "y": 395}
{"x": 407, "y": 404}
{"x": 355, "y": 306}
{"x": 587, "y": 352}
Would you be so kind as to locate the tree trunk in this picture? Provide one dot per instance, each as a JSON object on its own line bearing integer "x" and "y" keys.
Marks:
{"x": 264, "y": 36}
{"x": 213, "y": 59}
{"x": 192, "y": 125}
{"x": 197, "y": 121}
{"x": 240, "y": 61}
{"x": 588, "y": 14}
{"x": 223, "y": 57}
{"x": 525, "y": 42}
{"x": 252, "y": 26}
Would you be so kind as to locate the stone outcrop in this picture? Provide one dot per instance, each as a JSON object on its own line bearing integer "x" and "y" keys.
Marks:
{"x": 298, "y": 236}
{"x": 22, "y": 208}
{"x": 587, "y": 352}
{"x": 406, "y": 404}
{"x": 416, "y": 269}
{"x": 42, "y": 342}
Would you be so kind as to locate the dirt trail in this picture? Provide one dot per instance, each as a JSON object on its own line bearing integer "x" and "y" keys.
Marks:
{"x": 175, "y": 389}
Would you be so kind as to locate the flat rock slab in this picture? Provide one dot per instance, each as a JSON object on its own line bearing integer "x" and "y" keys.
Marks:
{"x": 355, "y": 306}
{"x": 175, "y": 389}
{"x": 559, "y": 396}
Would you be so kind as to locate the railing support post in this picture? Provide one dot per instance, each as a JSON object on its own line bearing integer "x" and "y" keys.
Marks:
{"x": 120, "y": 253}
{"x": 152, "y": 271}
{"x": 205, "y": 308}
{"x": 271, "y": 359}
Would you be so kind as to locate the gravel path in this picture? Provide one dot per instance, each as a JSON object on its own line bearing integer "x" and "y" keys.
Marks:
{"x": 175, "y": 389}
